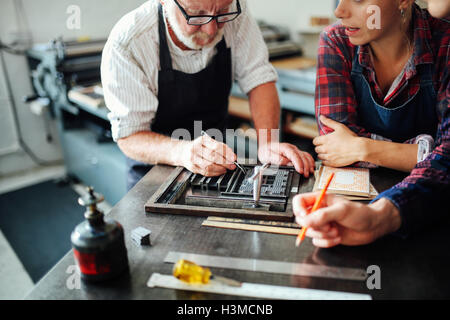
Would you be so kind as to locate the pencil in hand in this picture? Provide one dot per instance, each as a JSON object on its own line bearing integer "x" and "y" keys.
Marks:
{"x": 301, "y": 235}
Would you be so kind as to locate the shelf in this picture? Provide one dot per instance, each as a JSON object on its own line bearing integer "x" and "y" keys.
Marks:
{"x": 294, "y": 63}
{"x": 311, "y": 30}
{"x": 303, "y": 126}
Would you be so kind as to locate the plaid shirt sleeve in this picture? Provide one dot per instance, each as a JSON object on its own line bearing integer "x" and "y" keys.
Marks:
{"x": 423, "y": 196}
{"x": 334, "y": 96}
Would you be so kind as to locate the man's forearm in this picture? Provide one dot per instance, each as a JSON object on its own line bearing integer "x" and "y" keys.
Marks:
{"x": 398, "y": 156}
{"x": 265, "y": 109}
{"x": 153, "y": 148}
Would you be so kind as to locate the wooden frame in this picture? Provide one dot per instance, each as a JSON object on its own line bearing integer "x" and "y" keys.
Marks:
{"x": 153, "y": 206}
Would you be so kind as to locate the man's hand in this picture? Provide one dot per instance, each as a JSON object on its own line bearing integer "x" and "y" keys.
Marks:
{"x": 340, "y": 221}
{"x": 287, "y": 154}
{"x": 207, "y": 156}
{"x": 339, "y": 148}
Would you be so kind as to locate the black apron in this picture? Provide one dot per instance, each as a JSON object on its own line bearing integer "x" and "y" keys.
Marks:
{"x": 184, "y": 98}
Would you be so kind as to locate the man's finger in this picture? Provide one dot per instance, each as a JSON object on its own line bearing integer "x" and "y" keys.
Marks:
{"x": 317, "y": 234}
{"x": 311, "y": 161}
{"x": 208, "y": 169}
{"x": 218, "y": 159}
{"x": 326, "y": 243}
{"x": 306, "y": 165}
{"x": 293, "y": 156}
{"x": 324, "y": 215}
{"x": 272, "y": 154}
{"x": 302, "y": 164}
{"x": 228, "y": 153}
{"x": 274, "y": 159}
{"x": 308, "y": 160}
{"x": 281, "y": 160}
{"x": 211, "y": 170}
{"x": 211, "y": 155}
{"x": 220, "y": 148}
{"x": 302, "y": 202}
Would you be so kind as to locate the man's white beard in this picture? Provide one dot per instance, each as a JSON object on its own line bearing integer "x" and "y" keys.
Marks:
{"x": 189, "y": 41}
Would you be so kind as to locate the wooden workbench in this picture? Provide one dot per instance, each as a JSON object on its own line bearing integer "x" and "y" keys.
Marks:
{"x": 413, "y": 268}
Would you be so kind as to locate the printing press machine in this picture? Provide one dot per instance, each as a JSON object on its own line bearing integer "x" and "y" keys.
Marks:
{"x": 89, "y": 153}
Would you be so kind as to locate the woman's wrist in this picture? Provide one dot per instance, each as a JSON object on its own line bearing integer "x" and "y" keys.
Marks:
{"x": 363, "y": 147}
{"x": 397, "y": 156}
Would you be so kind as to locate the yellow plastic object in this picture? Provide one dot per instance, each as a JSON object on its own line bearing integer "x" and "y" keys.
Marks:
{"x": 190, "y": 272}
{"x": 83, "y": 39}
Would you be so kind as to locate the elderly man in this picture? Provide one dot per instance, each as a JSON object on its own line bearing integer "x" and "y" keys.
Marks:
{"x": 171, "y": 63}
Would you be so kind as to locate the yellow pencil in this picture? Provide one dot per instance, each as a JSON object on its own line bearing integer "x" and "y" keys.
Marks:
{"x": 316, "y": 205}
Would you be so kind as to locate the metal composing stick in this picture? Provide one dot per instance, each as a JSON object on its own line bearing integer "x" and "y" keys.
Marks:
{"x": 270, "y": 266}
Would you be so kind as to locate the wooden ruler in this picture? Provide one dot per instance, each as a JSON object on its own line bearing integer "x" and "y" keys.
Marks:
{"x": 287, "y": 228}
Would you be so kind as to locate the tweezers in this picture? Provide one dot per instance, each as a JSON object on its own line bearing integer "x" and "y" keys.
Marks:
{"x": 240, "y": 167}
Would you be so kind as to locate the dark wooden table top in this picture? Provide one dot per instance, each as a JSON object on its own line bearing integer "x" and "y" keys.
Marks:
{"x": 413, "y": 268}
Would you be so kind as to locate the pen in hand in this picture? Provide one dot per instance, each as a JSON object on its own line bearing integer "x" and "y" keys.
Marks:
{"x": 301, "y": 235}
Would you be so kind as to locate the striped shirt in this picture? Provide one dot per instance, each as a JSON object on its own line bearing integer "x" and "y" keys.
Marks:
{"x": 130, "y": 64}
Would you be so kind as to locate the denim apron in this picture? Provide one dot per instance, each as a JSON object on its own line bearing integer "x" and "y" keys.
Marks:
{"x": 184, "y": 98}
{"x": 400, "y": 123}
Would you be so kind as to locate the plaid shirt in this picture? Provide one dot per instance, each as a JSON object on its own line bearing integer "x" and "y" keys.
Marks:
{"x": 429, "y": 181}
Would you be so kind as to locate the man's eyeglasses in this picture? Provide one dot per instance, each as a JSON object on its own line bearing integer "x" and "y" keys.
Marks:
{"x": 199, "y": 20}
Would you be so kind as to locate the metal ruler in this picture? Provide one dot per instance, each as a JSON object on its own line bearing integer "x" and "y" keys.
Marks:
{"x": 254, "y": 290}
{"x": 270, "y": 266}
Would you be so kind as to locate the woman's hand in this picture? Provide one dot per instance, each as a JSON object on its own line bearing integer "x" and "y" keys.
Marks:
{"x": 340, "y": 221}
{"x": 340, "y": 148}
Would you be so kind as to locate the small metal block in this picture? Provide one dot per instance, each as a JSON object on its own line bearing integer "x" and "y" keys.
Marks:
{"x": 141, "y": 236}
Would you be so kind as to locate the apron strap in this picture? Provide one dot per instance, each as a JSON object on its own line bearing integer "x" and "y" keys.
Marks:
{"x": 164, "y": 54}
{"x": 222, "y": 46}
{"x": 356, "y": 66}
{"x": 426, "y": 73}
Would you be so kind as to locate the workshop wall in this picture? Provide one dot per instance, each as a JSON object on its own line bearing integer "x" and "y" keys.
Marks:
{"x": 47, "y": 19}
{"x": 292, "y": 14}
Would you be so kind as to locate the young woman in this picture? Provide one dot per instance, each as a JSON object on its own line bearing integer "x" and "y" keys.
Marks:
{"x": 382, "y": 78}
{"x": 365, "y": 77}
